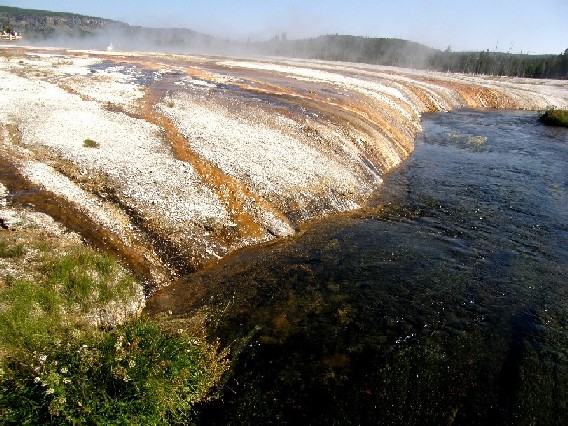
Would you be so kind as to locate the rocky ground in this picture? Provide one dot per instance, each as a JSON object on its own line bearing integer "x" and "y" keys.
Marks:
{"x": 173, "y": 161}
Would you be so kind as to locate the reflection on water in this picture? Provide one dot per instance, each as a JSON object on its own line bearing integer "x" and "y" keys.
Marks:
{"x": 444, "y": 301}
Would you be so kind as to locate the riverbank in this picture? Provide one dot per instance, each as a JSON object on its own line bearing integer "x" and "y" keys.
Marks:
{"x": 196, "y": 157}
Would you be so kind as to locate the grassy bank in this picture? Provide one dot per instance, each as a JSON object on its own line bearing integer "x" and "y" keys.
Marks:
{"x": 555, "y": 117}
{"x": 58, "y": 365}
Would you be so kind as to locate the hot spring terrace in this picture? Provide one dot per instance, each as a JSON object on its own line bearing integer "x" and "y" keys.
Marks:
{"x": 175, "y": 161}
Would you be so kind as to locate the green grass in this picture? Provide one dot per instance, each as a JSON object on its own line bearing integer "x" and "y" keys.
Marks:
{"x": 89, "y": 143}
{"x": 9, "y": 252}
{"x": 555, "y": 117}
{"x": 29, "y": 314}
{"x": 56, "y": 368}
{"x": 71, "y": 285}
{"x": 87, "y": 279}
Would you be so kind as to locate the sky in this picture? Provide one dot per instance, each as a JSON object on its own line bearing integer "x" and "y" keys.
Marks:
{"x": 527, "y": 26}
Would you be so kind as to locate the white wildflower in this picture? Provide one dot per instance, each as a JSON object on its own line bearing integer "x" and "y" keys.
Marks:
{"x": 118, "y": 344}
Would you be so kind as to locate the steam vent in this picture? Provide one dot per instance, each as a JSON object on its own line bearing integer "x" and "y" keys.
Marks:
{"x": 173, "y": 162}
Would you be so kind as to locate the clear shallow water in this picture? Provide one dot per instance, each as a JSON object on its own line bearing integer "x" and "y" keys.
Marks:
{"x": 445, "y": 301}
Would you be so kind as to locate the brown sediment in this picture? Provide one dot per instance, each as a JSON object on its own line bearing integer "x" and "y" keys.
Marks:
{"x": 352, "y": 113}
{"x": 360, "y": 108}
{"x": 475, "y": 96}
{"x": 423, "y": 96}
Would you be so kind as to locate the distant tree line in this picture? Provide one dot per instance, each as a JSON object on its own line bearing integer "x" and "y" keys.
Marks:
{"x": 379, "y": 51}
{"x": 502, "y": 64}
{"x": 404, "y": 53}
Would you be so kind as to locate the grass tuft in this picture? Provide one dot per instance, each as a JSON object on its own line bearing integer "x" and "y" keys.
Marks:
{"x": 89, "y": 143}
{"x": 555, "y": 117}
{"x": 7, "y": 252}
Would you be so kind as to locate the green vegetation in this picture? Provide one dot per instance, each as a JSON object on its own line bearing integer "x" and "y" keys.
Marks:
{"x": 380, "y": 51}
{"x": 134, "y": 374}
{"x": 555, "y": 117}
{"x": 89, "y": 143}
{"x": 11, "y": 251}
{"x": 56, "y": 367}
{"x": 502, "y": 64}
{"x": 404, "y": 53}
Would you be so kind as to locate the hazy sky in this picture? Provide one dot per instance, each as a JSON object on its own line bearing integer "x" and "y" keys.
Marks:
{"x": 535, "y": 26}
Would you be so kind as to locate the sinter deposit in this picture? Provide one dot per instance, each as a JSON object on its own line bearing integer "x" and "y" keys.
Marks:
{"x": 175, "y": 161}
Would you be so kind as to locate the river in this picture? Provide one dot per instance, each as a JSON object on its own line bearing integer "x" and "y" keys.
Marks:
{"x": 445, "y": 300}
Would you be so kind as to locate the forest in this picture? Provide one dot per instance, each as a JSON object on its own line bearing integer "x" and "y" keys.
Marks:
{"x": 408, "y": 54}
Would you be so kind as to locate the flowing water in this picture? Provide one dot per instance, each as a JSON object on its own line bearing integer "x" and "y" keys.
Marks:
{"x": 444, "y": 301}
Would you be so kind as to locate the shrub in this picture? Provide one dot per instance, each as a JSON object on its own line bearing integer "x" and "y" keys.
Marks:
{"x": 89, "y": 143}
{"x": 555, "y": 117}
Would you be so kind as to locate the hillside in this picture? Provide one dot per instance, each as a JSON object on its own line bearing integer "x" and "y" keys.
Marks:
{"x": 41, "y": 24}
{"x": 73, "y": 30}
{"x": 347, "y": 48}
